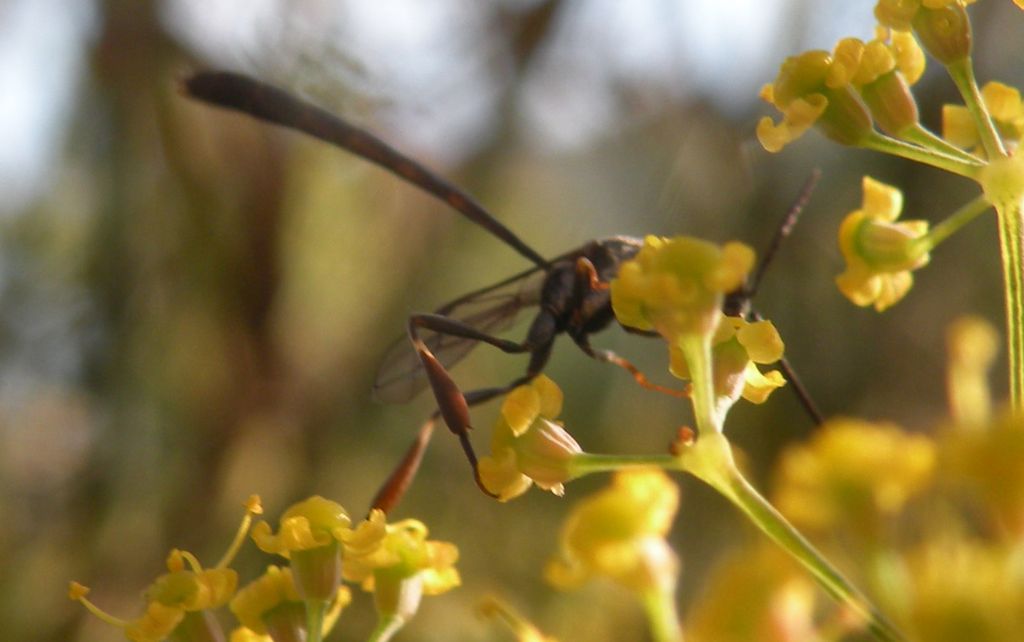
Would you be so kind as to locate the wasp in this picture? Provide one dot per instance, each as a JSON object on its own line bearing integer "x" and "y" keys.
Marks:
{"x": 569, "y": 293}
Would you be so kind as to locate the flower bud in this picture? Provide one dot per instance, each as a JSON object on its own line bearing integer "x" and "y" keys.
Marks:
{"x": 897, "y": 14}
{"x": 945, "y": 32}
{"x": 891, "y": 103}
{"x": 846, "y": 120}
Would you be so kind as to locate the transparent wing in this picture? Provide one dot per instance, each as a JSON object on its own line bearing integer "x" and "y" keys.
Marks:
{"x": 489, "y": 310}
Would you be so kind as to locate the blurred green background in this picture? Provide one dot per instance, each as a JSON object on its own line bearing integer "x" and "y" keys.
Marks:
{"x": 193, "y": 305}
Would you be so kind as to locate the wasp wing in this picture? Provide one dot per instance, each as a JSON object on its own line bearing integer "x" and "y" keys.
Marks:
{"x": 490, "y": 310}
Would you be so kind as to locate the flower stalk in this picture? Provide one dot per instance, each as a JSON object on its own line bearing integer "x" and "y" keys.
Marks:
{"x": 386, "y": 628}
{"x": 953, "y": 164}
{"x": 1011, "y": 247}
{"x": 661, "y": 612}
{"x": 710, "y": 459}
{"x": 962, "y": 73}
{"x": 967, "y": 213}
{"x": 923, "y": 137}
{"x": 697, "y": 352}
{"x": 1003, "y": 184}
{"x": 315, "y": 611}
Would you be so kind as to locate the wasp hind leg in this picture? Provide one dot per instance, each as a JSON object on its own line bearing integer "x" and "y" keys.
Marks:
{"x": 453, "y": 405}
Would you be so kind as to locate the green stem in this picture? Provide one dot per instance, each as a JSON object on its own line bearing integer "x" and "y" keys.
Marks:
{"x": 197, "y": 626}
{"x": 967, "y": 213}
{"x": 660, "y": 607}
{"x": 697, "y": 352}
{"x": 886, "y": 145}
{"x": 962, "y": 73}
{"x": 386, "y": 629}
{"x": 920, "y": 135}
{"x": 1011, "y": 246}
{"x": 315, "y": 610}
{"x": 587, "y": 463}
{"x": 710, "y": 459}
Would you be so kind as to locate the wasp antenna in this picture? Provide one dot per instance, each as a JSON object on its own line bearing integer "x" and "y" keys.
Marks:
{"x": 273, "y": 105}
{"x": 783, "y": 230}
{"x": 795, "y": 383}
{"x": 801, "y": 392}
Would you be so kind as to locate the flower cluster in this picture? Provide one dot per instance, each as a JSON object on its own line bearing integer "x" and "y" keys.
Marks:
{"x": 860, "y": 95}
{"x": 846, "y": 92}
{"x": 936, "y": 516}
{"x": 182, "y": 598}
{"x": 852, "y": 474}
{"x": 677, "y": 287}
{"x": 301, "y": 601}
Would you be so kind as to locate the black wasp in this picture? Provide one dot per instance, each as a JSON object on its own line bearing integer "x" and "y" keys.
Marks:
{"x": 570, "y": 291}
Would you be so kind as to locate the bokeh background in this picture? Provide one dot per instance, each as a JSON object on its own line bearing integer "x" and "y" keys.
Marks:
{"x": 193, "y": 305}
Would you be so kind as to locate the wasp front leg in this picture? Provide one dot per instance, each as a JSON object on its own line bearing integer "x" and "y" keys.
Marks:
{"x": 588, "y": 285}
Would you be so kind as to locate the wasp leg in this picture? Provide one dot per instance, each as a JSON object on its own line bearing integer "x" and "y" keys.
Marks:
{"x": 394, "y": 487}
{"x": 587, "y": 280}
{"x": 607, "y": 356}
{"x": 452, "y": 405}
{"x": 398, "y": 482}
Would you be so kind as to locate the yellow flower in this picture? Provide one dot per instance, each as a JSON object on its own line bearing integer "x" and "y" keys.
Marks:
{"x": 860, "y": 63}
{"x": 814, "y": 88}
{"x": 528, "y": 446}
{"x": 619, "y": 533}
{"x": 942, "y": 25}
{"x": 243, "y": 634}
{"x": 965, "y": 590}
{"x": 757, "y": 594}
{"x": 184, "y": 594}
{"x": 676, "y": 286}
{"x": 310, "y": 535}
{"x": 403, "y": 568}
{"x": 156, "y": 624}
{"x": 818, "y": 88}
{"x": 492, "y": 607}
{"x": 266, "y": 593}
{"x": 272, "y": 603}
{"x": 972, "y": 344}
{"x": 851, "y": 473}
{"x": 988, "y": 461}
{"x": 736, "y": 347}
{"x": 312, "y": 523}
{"x": 195, "y": 589}
{"x": 899, "y": 14}
{"x": 366, "y": 537}
{"x": 880, "y": 253}
{"x": 910, "y": 60}
{"x": 1004, "y": 105}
